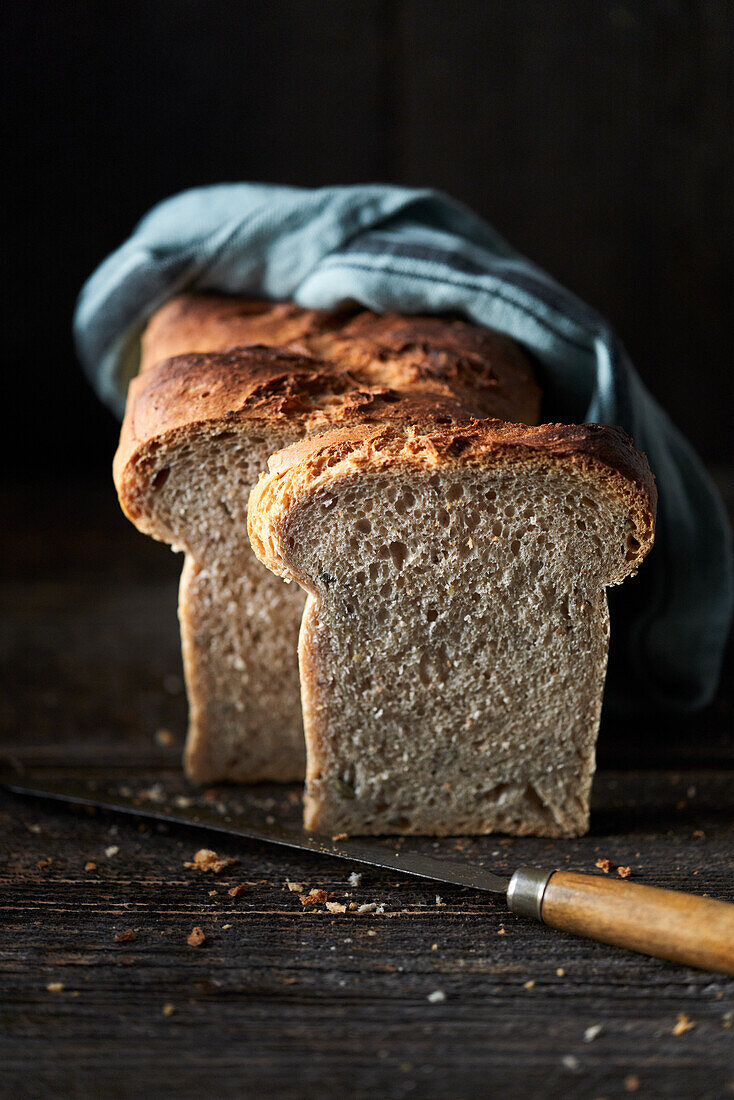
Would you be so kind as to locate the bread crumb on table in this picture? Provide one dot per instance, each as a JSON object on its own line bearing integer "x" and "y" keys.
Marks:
{"x": 168, "y": 1009}
{"x": 604, "y": 865}
{"x": 207, "y": 860}
{"x": 195, "y": 937}
{"x": 90, "y": 865}
{"x": 354, "y": 879}
{"x": 55, "y": 987}
{"x": 624, "y": 872}
{"x": 314, "y": 897}
{"x": 529, "y": 985}
{"x": 632, "y": 1082}
{"x": 591, "y": 1032}
{"x": 682, "y": 1025}
{"x": 295, "y": 887}
{"x": 436, "y": 997}
{"x": 126, "y": 936}
{"x": 235, "y": 891}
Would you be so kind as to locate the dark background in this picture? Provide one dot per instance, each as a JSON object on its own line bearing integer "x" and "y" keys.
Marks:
{"x": 596, "y": 136}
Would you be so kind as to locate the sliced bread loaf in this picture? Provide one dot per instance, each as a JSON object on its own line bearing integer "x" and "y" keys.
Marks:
{"x": 223, "y": 384}
{"x": 454, "y": 642}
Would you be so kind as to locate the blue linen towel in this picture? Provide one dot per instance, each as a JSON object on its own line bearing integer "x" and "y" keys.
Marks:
{"x": 418, "y": 251}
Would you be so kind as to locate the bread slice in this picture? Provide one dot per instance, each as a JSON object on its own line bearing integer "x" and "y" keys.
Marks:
{"x": 223, "y": 384}
{"x": 454, "y": 642}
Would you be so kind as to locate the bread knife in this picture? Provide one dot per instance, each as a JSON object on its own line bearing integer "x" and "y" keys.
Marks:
{"x": 667, "y": 924}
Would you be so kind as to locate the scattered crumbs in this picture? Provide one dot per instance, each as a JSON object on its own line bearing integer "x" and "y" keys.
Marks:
{"x": 336, "y": 907}
{"x": 624, "y": 872}
{"x": 156, "y": 793}
{"x": 604, "y": 865}
{"x": 165, "y": 737}
{"x": 235, "y": 891}
{"x": 440, "y": 901}
{"x": 727, "y": 1020}
{"x": 55, "y": 987}
{"x": 436, "y": 997}
{"x": 340, "y": 836}
{"x": 226, "y": 926}
{"x": 195, "y": 937}
{"x": 126, "y": 936}
{"x": 315, "y": 897}
{"x": 371, "y": 932}
{"x": 295, "y": 887}
{"x": 501, "y": 931}
{"x": 183, "y": 801}
{"x": 434, "y": 947}
{"x": 570, "y": 1062}
{"x": 560, "y": 972}
{"x": 354, "y": 879}
{"x": 682, "y": 1024}
{"x": 207, "y": 860}
{"x": 632, "y": 1082}
{"x": 529, "y": 985}
{"x": 212, "y": 893}
{"x": 289, "y": 981}
{"x": 168, "y": 1009}
{"x": 591, "y": 1032}
{"x": 43, "y": 864}
{"x": 90, "y": 865}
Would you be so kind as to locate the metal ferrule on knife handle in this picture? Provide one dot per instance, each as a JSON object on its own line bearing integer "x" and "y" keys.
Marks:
{"x": 526, "y": 890}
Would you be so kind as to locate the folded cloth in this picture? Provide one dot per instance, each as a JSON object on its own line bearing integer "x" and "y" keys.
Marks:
{"x": 418, "y": 251}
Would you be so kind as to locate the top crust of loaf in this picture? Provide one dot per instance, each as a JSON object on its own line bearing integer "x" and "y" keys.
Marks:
{"x": 603, "y": 456}
{"x": 212, "y": 363}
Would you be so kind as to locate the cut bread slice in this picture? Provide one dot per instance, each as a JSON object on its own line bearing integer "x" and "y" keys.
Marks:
{"x": 202, "y": 418}
{"x": 454, "y": 642}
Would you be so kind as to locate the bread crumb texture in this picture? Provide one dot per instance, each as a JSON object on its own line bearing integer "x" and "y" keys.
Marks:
{"x": 454, "y": 643}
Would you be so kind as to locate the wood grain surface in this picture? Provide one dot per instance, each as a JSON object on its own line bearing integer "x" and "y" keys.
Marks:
{"x": 433, "y": 993}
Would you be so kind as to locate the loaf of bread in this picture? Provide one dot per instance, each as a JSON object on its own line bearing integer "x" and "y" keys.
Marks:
{"x": 454, "y": 642}
{"x": 223, "y": 384}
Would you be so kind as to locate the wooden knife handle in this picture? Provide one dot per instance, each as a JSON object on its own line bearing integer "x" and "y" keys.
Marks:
{"x": 665, "y": 923}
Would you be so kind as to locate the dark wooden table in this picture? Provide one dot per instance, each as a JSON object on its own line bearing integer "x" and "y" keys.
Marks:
{"x": 101, "y": 994}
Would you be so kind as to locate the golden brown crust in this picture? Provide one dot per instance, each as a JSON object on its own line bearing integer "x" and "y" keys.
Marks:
{"x": 312, "y": 369}
{"x": 202, "y": 322}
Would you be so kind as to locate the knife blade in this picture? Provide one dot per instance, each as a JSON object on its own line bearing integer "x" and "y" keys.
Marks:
{"x": 667, "y": 924}
{"x": 39, "y": 783}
